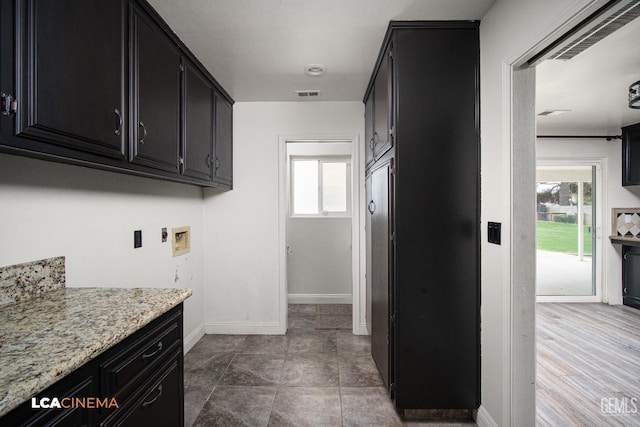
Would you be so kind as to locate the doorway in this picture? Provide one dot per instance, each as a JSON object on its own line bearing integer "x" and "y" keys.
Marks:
{"x": 319, "y": 233}
{"x": 568, "y": 220}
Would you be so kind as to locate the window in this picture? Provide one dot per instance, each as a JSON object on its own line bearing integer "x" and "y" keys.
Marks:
{"x": 320, "y": 187}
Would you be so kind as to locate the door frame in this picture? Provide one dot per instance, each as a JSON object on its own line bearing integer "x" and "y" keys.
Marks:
{"x": 601, "y": 211}
{"x": 358, "y": 245}
{"x": 517, "y": 119}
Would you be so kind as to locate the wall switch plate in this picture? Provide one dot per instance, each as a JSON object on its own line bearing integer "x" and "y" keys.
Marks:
{"x": 494, "y": 232}
{"x": 137, "y": 239}
{"x": 164, "y": 234}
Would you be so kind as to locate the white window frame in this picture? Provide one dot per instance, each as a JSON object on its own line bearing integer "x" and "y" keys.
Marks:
{"x": 321, "y": 160}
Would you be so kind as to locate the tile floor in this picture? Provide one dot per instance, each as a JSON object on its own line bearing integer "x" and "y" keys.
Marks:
{"x": 313, "y": 376}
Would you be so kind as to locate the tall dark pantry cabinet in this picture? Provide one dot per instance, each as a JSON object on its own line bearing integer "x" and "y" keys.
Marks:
{"x": 422, "y": 183}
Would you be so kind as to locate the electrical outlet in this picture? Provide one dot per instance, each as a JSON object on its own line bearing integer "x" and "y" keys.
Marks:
{"x": 494, "y": 232}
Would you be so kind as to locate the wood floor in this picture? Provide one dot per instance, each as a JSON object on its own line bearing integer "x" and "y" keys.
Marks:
{"x": 588, "y": 365}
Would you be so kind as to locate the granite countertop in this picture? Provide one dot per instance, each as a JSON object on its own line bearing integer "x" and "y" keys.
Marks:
{"x": 45, "y": 338}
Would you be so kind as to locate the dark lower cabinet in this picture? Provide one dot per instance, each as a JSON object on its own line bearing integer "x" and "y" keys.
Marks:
{"x": 379, "y": 208}
{"x": 424, "y": 225}
{"x": 631, "y": 276}
{"x": 155, "y": 95}
{"x": 68, "y": 96}
{"x": 149, "y": 406}
{"x": 143, "y": 373}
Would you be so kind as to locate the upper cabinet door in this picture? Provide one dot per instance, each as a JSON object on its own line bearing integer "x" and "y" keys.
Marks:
{"x": 383, "y": 117}
{"x": 224, "y": 140}
{"x": 368, "y": 129}
{"x": 631, "y": 155}
{"x": 155, "y": 96}
{"x": 198, "y": 124}
{"x": 72, "y": 73}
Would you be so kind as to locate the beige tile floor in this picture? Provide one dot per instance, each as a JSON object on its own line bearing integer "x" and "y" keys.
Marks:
{"x": 309, "y": 377}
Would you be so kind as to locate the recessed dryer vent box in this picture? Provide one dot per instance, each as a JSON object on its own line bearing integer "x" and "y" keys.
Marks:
{"x": 181, "y": 240}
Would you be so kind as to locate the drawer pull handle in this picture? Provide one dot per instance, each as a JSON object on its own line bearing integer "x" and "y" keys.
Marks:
{"x": 146, "y": 356}
{"x": 152, "y": 401}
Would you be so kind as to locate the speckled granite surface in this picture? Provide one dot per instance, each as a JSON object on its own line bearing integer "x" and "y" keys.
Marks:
{"x": 43, "y": 339}
{"x": 28, "y": 280}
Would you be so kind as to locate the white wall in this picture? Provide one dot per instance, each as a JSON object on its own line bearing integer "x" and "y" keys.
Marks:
{"x": 50, "y": 209}
{"x": 242, "y": 272}
{"x": 508, "y": 31}
{"x": 615, "y": 196}
{"x": 319, "y": 260}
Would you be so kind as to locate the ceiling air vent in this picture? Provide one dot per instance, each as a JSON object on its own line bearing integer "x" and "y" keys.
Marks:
{"x": 605, "y": 21}
{"x": 309, "y": 93}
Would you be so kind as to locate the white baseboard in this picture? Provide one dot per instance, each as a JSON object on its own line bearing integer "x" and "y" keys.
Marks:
{"x": 245, "y": 328}
{"x": 362, "y": 330}
{"x": 191, "y": 339}
{"x": 320, "y": 299}
{"x": 483, "y": 419}
{"x": 615, "y": 301}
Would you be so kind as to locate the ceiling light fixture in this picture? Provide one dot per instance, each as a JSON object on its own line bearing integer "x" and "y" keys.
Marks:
{"x": 315, "y": 70}
{"x": 553, "y": 112}
{"x": 634, "y": 95}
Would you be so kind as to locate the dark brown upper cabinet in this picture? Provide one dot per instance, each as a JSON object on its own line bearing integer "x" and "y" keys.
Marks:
{"x": 155, "y": 95}
{"x": 198, "y": 124}
{"x": 368, "y": 129}
{"x": 224, "y": 142}
{"x": 631, "y": 155}
{"x": 383, "y": 122}
{"x": 71, "y": 74}
{"x": 107, "y": 84}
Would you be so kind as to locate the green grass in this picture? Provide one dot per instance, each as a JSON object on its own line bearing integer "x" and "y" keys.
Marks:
{"x": 558, "y": 237}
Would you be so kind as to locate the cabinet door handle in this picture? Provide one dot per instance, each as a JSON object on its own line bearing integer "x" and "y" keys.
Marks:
{"x": 158, "y": 349}
{"x": 371, "y": 207}
{"x": 208, "y": 160}
{"x": 118, "y": 130}
{"x": 217, "y": 163}
{"x": 152, "y": 401}
{"x": 372, "y": 144}
{"x": 144, "y": 133}
{"x": 625, "y": 290}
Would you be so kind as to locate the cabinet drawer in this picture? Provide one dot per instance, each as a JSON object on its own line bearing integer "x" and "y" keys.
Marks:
{"x": 122, "y": 372}
{"x": 156, "y": 402}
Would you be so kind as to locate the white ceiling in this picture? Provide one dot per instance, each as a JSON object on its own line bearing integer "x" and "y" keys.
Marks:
{"x": 257, "y": 49}
{"x": 594, "y": 85}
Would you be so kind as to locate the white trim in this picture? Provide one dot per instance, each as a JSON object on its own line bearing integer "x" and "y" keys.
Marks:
{"x": 567, "y": 299}
{"x": 244, "y": 328}
{"x": 363, "y": 330}
{"x": 357, "y": 182}
{"x": 320, "y": 299}
{"x": 191, "y": 339}
{"x": 483, "y": 418}
{"x": 602, "y": 210}
{"x": 564, "y": 21}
